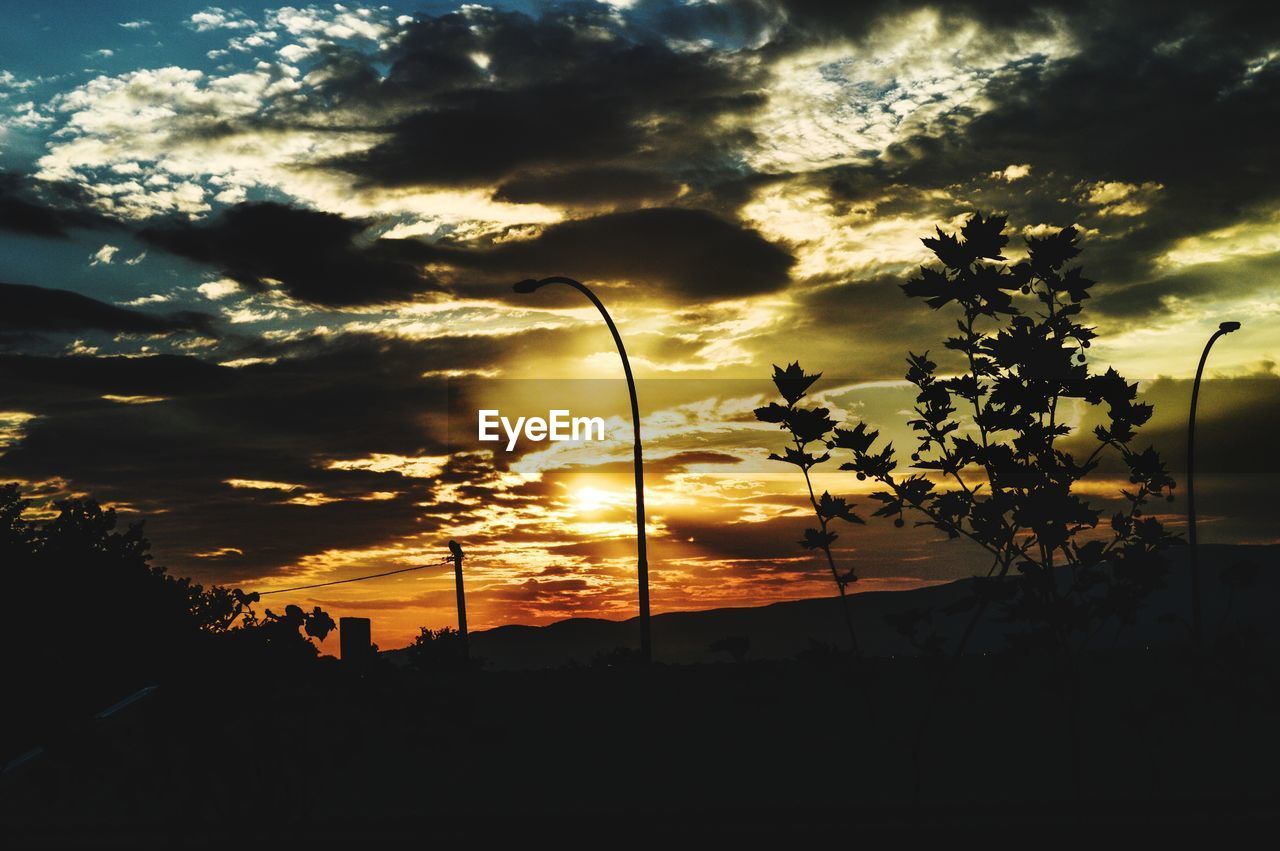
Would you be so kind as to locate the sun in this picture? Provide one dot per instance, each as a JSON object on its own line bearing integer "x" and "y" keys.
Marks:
{"x": 586, "y": 500}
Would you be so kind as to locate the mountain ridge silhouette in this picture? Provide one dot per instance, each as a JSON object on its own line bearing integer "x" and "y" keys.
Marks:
{"x": 788, "y": 628}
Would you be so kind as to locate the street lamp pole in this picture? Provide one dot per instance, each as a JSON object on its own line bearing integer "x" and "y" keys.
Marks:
{"x": 1196, "y": 620}
{"x": 642, "y": 557}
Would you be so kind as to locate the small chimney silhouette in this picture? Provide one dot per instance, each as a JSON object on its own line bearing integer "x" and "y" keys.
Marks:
{"x": 354, "y": 643}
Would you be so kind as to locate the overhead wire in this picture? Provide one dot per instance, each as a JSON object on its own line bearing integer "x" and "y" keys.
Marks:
{"x": 353, "y": 579}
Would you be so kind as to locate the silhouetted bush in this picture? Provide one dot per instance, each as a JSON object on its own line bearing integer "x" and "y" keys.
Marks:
{"x": 88, "y": 618}
{"x": 439, "y": 650}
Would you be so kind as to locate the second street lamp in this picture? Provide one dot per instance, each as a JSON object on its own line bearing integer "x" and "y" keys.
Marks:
{"x": 1196, "y": 627}
{"x": 642, "y": 558}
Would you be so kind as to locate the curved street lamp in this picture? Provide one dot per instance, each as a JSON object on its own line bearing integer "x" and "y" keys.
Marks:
{"x": 642, "y": 557}
{"x": 1196, "y": 628}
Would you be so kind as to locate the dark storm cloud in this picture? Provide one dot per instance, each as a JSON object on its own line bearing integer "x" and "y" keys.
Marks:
{"x": 691, "y": 254}
{"x": 730, "y": 22}
{"x": 877, "y": 324}
{"x": 656, "y": 469}
{"x": 1154, "y": 92}
{"x": 43, "y": 385}
{"x": 1178, "y": 109}
{"x": 321, "y": 258}
{"x": 27, "y": 308}
{"x": 827, "y": 19}
{"x": 1236, "y": 421}
{"x": 1177, "y": 95}
{"x": 661, "y": 347}
{"x": 587, "y": 186}
{"x": 323, "y": 399}
{"x": 1243, "y": 276}
{"x": 47, "y": 209}
{"x": 796, "y": 24}
{"x": 568, "y": 89}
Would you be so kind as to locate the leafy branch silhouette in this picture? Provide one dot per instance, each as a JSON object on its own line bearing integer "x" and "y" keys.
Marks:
{"x": 1011, "y": 487}
{"x": 808, "y": 426}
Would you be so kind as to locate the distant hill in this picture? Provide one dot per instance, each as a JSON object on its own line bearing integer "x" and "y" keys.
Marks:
{"x": 782, "y": 630}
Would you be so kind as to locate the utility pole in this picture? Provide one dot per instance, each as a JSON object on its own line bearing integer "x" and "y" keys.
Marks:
{"x": 456, "y": 549}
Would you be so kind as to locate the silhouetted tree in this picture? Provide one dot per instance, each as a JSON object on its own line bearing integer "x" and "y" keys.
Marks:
{"x": 219, "y": 609}
{"x": 438, "y": 650}
{"x": 88, "y": 617}
{"x": 988, "y": 462}
{"x": 807, "y": 426}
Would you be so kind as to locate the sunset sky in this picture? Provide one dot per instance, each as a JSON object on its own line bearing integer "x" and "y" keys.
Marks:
{"x": 256, "y": 268}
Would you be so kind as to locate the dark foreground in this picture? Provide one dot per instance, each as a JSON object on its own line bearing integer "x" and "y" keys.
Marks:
{"x": 787, "y": 748}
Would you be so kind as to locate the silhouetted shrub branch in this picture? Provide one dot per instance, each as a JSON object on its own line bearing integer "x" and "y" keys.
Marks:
{"x": 807, "y": 426}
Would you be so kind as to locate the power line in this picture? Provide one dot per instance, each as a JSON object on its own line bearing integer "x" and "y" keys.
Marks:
{"x": 343, "y": 581}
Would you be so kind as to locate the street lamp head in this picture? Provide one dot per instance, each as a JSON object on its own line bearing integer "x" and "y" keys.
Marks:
{"x": 527, "y": 286}
{"x": 1228, "y": 327}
